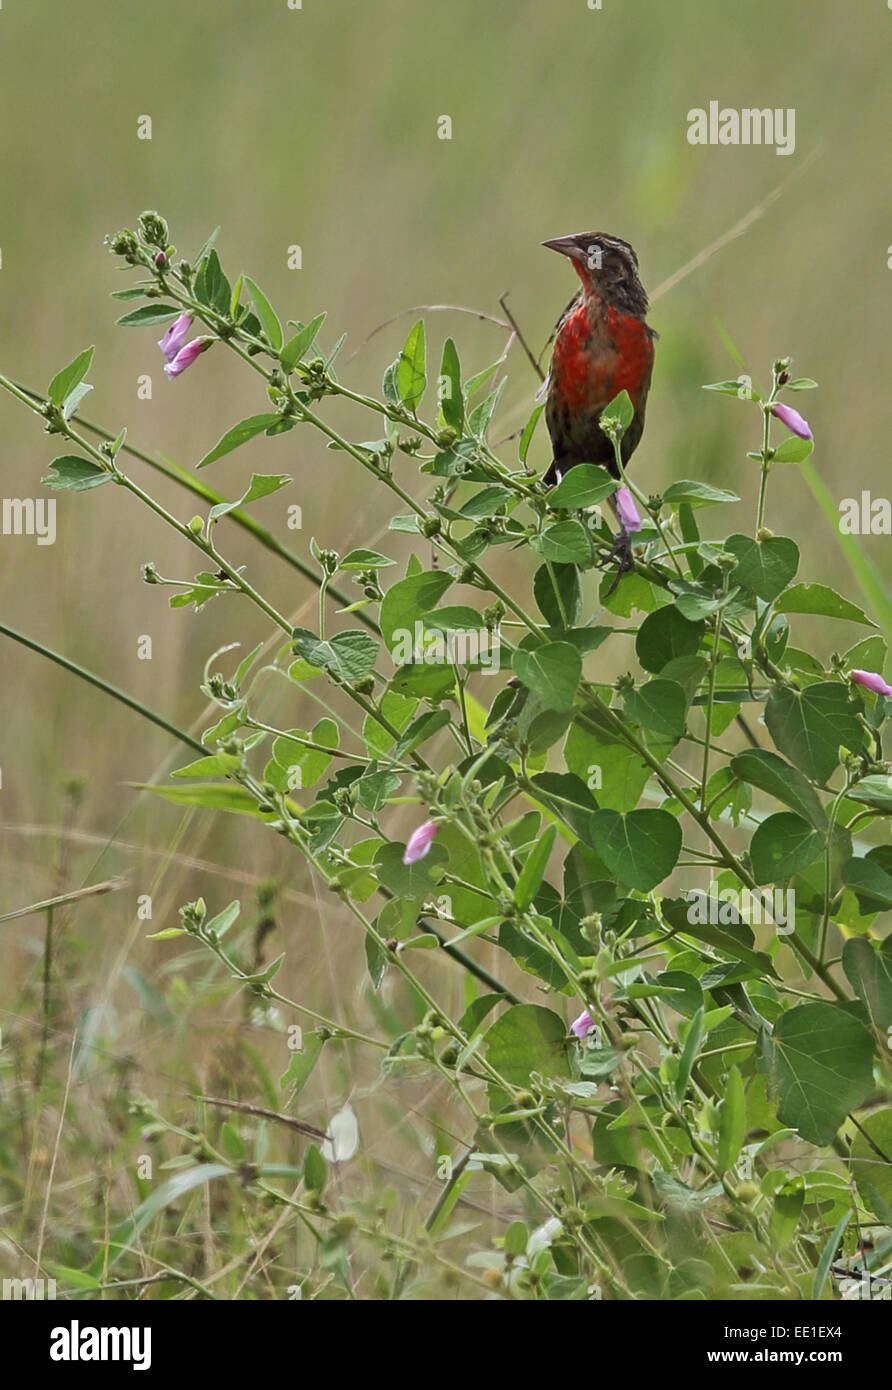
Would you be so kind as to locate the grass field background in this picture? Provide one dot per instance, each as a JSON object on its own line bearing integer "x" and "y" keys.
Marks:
{"x": 318, "y": 127}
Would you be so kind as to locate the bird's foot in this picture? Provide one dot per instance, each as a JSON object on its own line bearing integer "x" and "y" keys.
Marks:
{"x": 622, "y": 553}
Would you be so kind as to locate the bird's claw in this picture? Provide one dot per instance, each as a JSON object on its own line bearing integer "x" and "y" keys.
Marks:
{"x": 622, "y": 550}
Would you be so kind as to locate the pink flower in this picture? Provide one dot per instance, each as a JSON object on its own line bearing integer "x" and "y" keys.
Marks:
{"x": 161, "y": 260}
{"x": 419, "y": 842}
{"x": 871, "y": 680}
{"x": 175, "y": 336}
{"x": 624, "y": 504}
{"x": 793, "y": 420}
{"x": 186, "y": 356}
{"x": 582, "y": 1025}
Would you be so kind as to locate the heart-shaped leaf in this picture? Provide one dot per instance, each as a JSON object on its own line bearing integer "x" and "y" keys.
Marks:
{"x": 765, "y": 567}
{"x": 641, "y": 848}
{"x": 552, "y": 672}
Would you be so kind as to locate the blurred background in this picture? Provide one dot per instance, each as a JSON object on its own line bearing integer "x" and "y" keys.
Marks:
{"x": 318, "y": 127}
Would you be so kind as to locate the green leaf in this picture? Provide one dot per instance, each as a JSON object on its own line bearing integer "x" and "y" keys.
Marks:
{"x": 870, "y": 881}
{"x": 567, "y": 542}
{"x": 801, "y": 383}
{"x": 875, "y": 790}
{"x": 765, "y": 567}
{"x": 641, "y": 848}
{"x": 262, "y": 485}
{"x": 272, "y": 329}
{"x": 614, "y": 772}
{"x": 584, "y": 485}
{"x": 351, "y": 654}
{"x": 73, "y": 400}
{"x": 411, "y": 882}
{"x": 75, "y": 474}
{"x": 793, "y": 450}
{"x": 302, "y": 1062}
{"x": 871, "y": 1158}
{"x": 315, "y": 1169}
{"x": 211, "y": 285}
{"x": 665, "y": 635}
{"x": 240, "y": 434}
{"x": 827, "y": 1255}
{"x": 300, "y": 344}
{"x": 290, "y": 753}
{"x": 485, "y": 503}
{"x": 683, "y": 916}
{"x": 764, "y": 769}
{"x": 730, "y": 388}
{"x": 365, "y": 560}
{"x": 516, "y": 1238}
{"x": 529, "y": 430}
{"x": 214, "y": 765}
{"x": 533, "y": 871}
{"x": 821, "y": 1068}
{"x": 408, "y": 600}
{"x": 620, "y": 411}
{"x": 458, "y": 618}
{"x": 524, "y": 1039}
{"x": 688, "y": 1054}
{"x": 64, "y": 382}
{"x": 817, "y": 598}
{"x": 868, "y": 968}
{"x": 478, "y": 420}
{"x": 810, "y": 726}
{"x": 410, "y": 373}
{"x": 374, "y": 788}
{"x": 214, "y": 796}
{"x": 552, "y": 672}
{"x": 557, "y": 593}
{"x": 150, "y": 316}
{"x": 452, "y": 406}
{"x": 659, "y": 706}
{"x": 732, "y": 1122}
{"x": 697, "y": 494}
{"x": 784, "y": 844}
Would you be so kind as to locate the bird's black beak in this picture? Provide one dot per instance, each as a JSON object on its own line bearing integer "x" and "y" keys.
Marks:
{"x": 567, "y": 246}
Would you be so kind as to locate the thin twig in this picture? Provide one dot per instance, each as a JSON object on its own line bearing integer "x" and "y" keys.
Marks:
{"x": 262, "y": 1114}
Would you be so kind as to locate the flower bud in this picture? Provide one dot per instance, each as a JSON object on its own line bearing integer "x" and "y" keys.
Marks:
{"x": 624, "y": 504}
{"x": 871, "y": 680}
{"x": 792, "y": 419}
{"x": 124, "y": 244}
{"x": 186, "y": 356}
{"x": 175, "y": 336}
{"x": 419, "y": 842}
{"x": 153, "y": 229}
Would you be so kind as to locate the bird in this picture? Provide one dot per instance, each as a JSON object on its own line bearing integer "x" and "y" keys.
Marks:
{"x": 603, "y": 345}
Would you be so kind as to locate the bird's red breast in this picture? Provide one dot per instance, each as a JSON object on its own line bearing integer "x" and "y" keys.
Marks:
{"x": 599, "y": 351}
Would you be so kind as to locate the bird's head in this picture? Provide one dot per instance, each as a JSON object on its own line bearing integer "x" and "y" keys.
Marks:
{"x": 607, "y": 266}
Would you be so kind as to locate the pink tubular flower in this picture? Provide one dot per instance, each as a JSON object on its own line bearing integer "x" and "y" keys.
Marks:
{"x": 871, "y": 680}
{"x": 582, "y": 1025}
{"x": 175, "y": 336}
{"x": 419, "y": 842}
{"x": 626, "y": 510}
{"x": 186, "y": 356}
{"x": 793, "y": 420}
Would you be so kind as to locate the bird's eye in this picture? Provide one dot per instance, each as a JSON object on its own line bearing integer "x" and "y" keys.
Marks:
{"x": 594, "y": 255}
